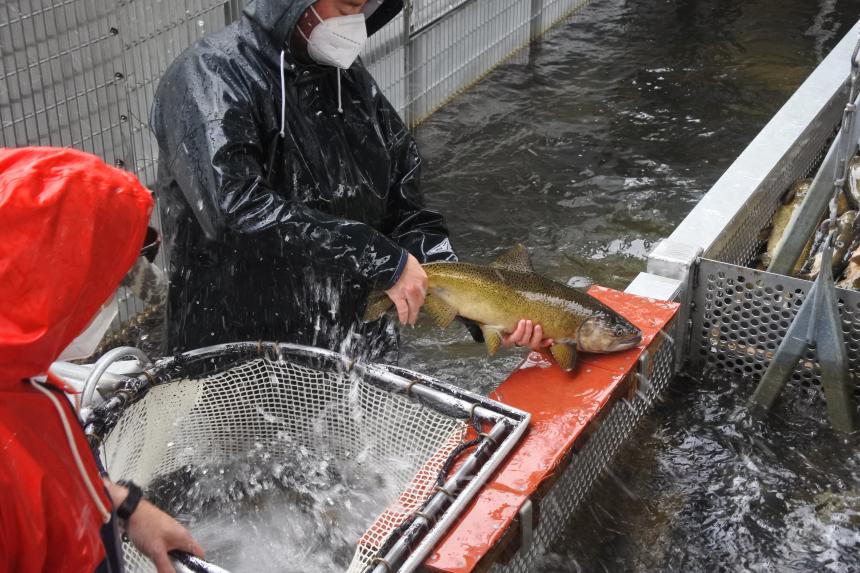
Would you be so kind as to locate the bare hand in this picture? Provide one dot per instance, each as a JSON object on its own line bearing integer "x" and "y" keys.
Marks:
{"x": 154, "y": 533}
{"x": 409, "y": 291}
{"x": 527, "y": 334}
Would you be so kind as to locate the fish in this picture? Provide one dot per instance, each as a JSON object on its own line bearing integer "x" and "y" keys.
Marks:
{"x": 790, "y": 201}
{"x": 852, "y": 188}
{"x": 846, "y": 232}
{"x": 851, "y": 277}
{"x": 499, "y": 295}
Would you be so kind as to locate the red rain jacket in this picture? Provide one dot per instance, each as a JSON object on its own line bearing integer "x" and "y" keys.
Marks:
{"x": 70, "y": 228}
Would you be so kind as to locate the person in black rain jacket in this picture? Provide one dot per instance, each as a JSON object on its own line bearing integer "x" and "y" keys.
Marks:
{"x": 288, "y": 189}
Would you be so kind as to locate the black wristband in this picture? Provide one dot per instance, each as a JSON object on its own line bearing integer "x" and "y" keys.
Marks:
{"x": 131, "y": 501}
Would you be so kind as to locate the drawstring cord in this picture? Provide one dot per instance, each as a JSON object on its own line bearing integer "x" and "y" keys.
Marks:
{"x": 67, "y": 428}
{"x": 339, "y": 105}
{"x": 283, "y": 99}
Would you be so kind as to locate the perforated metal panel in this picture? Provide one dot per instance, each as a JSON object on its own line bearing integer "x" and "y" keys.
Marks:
{"x": 742, "y": 315}
{"x": 558, "y": 508}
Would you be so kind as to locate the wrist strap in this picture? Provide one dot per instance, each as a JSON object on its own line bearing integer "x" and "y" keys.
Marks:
{"x": 131, "y": 501}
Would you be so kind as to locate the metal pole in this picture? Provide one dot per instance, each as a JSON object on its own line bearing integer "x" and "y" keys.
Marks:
{"x": 101, "y": 366}
{"x": 398, "y": 558}
{"x": 535, "y": 26}
{"x": 409, "y": 67}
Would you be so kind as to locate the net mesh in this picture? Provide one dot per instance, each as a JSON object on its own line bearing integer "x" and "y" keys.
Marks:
{"x": 283, "y": 407}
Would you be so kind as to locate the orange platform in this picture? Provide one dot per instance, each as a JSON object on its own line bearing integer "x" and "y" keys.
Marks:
{"x": 564, "y": 408}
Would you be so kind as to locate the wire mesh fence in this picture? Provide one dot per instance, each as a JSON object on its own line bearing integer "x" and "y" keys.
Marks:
{"x": 83, "y": 73}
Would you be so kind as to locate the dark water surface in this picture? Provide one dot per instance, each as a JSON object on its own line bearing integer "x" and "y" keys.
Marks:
{"x": 590, "y": 146}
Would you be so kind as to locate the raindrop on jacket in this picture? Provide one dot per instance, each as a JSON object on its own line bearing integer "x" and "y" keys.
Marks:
{"x": 282, "y": 238}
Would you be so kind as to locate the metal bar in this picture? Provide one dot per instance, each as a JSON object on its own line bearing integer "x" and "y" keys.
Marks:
{"x": 786, "y": 358}
{"x": 101, "y": 367}
{"x": 826, "y": 332}
{"x": 440, "y": 502}
{"x": 817, "y": 322}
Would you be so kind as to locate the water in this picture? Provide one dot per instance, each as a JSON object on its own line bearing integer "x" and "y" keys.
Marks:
{"x": 284, "y": 506}
{"x": 589, "y": 147}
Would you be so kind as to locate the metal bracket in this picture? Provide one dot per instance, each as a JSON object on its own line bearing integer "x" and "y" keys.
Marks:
{"x": 643, "y": 375}
{"x": 526, "y": 516}
{"x": 817, "y": 322}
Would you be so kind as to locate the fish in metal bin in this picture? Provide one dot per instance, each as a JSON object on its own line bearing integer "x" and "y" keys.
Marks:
{"x": 497, "y": 296}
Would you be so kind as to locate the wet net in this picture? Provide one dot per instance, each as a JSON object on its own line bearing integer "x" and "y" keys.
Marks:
{"x": 284, "y": 432}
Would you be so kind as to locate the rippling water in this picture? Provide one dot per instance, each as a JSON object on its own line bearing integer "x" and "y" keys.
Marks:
{"x": 590, "y": 146}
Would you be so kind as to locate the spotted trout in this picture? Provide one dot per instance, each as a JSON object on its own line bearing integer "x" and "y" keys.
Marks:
{"x": 497, "y": 296}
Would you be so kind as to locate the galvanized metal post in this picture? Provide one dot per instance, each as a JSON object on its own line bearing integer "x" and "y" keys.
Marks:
{"x": 535, "y": 24}
{"x": 409, "y": 67}
{"x": 232, "y": 10}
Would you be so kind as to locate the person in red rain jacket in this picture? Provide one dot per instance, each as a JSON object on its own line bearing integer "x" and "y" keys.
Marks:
{"x": 70, "y": 229}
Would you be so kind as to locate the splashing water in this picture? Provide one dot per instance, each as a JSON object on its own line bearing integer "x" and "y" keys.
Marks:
{"x": 280, "y": 508}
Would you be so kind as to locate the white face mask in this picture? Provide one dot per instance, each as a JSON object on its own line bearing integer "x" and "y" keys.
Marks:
{"x": 87, "y": 341}
{"x": 337, "y": 41}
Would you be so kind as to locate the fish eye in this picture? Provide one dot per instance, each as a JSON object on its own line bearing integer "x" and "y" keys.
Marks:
{"x": 619, "y": 330}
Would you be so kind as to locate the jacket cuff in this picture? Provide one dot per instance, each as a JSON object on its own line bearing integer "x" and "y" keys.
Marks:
{"x": 401, "y": 264}
{"x": 383, "y": 262}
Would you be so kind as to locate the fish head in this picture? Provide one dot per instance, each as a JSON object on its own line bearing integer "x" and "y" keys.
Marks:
{"x": 607, "y": 333}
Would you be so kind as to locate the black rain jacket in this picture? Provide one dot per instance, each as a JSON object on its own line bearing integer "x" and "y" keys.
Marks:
{"x": 282, "y": 238}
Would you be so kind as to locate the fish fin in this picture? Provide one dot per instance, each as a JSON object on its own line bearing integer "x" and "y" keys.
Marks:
{"x": 492, "y": 338}
{"x": 516, "y": 259}
{"x": 565, "y": 355}
{"x": 378, "y": 304}
{"x": 442, "y": 312}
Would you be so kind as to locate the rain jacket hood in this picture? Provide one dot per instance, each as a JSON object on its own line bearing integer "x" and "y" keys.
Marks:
{"x": 275, "y": 234}
{"x": 70, "y": 228}
{"x": 278, "y": 17}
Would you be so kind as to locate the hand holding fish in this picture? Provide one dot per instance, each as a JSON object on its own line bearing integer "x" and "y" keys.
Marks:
{"x": 496, "y": 295}
{"x": 409, "y": 291}
{"x": 527, "y": 334}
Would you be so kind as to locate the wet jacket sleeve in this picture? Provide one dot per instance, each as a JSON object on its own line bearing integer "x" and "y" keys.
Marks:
{"x": 206, "y": 125}
{"x": 409, "y": 222}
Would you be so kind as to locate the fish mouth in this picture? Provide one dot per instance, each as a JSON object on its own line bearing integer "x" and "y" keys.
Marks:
{"x": 628, "y": 343}
{"x": 599, "y": 337}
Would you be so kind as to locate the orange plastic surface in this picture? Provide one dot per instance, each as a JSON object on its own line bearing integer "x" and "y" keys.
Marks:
{"x": 562, "y": 405}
